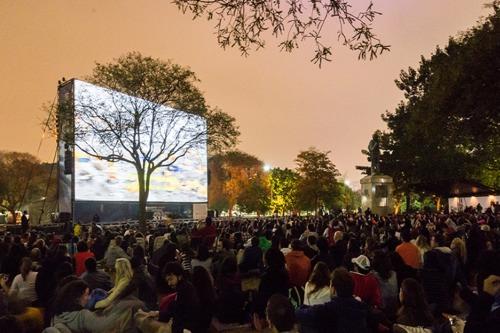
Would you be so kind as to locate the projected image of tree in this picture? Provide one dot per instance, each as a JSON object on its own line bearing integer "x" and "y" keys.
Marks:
{"x": 140, "y": 122}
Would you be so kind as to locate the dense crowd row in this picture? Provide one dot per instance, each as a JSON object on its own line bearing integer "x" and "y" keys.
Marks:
{"x": 343, "y": 273}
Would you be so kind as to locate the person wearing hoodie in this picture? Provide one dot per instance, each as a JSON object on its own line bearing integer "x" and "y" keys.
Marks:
{"x": 69, "y": 311}
{"x": 114, "y": 252}
{"x": 96, "y": 278}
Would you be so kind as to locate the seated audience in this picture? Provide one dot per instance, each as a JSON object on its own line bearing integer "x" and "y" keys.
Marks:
{"x": 96, "y": 278}
{"x": 343, "y": 313}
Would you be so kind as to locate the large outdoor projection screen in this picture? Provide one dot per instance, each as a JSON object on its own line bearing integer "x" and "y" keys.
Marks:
{"x": 99, "y": 180}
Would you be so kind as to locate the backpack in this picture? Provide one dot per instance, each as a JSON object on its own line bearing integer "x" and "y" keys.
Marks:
{"x": 296, "y": 296}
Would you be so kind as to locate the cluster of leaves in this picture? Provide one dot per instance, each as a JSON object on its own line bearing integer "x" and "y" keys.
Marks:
{"x": 448, "y": 126}
{"x": 244, "y": 23}
{"x": 283, "y": 183}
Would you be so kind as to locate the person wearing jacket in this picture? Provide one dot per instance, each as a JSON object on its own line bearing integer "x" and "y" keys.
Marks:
{"x": 366, "y": 285}
{"x": 342, "y": 314}
{"x": 252, "y": 257}
{"x": 298, "y": 265}
{"x": 114, "y": 252}
{"x": 96, "y": 278}
{"x": 274, "y": 281}
{"x": 485, "y": 313}
{"x": 185, "y": 310}
{"x": 69, "y": 311}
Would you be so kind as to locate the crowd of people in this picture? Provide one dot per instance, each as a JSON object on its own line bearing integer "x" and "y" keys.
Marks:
{"x": 348, "y": 272}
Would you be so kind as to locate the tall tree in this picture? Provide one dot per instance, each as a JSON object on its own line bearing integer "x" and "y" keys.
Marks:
{"x": 318, "y": 185}
{"x": 155, "y": 131}
{"x": 255, "y": 196}
{"x": 283, "y": 184}
{"x": 448, "y": 125}
{"x": 246, "y": 24}
{"x": 240, "y": 168}
{"x": 19, "y": 180}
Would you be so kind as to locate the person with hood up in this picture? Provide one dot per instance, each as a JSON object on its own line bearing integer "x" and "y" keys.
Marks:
{"x": 114, "y": 252}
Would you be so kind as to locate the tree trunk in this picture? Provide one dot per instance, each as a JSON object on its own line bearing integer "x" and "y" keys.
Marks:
{"x": 13, "y": 213}
{"x": 143, "y": 200}
{"x": 408, "y": 201}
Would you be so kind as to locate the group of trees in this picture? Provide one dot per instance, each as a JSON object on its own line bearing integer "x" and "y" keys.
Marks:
{"x": 448, "y": 125}
{"x": 26, "y": 183}
{"x": 239, "y": 179}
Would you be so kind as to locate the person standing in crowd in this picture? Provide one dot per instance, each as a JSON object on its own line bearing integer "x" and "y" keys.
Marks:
{"x": 25, "y": 222}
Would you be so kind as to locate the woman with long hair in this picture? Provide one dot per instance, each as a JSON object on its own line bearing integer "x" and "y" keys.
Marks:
{"x": 23, "y": 285}
{"x": 123, "y": 277}
{"x": 317, "y": 290}
{"x": 388, "y": 282}
{"x": 414, "y": 311}
{"x": 460, "y": 250}
{"x": 423, "y": 245}
{"x": 202, "y": 282}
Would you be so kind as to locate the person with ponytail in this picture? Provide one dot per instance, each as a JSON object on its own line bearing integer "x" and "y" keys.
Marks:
{"x": 23, "y": 285}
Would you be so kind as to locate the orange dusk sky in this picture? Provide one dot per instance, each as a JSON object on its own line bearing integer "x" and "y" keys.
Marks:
{"x": 282, "y": 102}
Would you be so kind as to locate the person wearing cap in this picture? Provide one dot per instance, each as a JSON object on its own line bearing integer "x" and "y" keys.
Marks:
{"x": 366, "y": 286}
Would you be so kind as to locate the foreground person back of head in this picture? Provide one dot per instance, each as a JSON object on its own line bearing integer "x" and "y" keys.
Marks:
{"x": 342, "y": 314}
{"x": 280, "y": 314}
